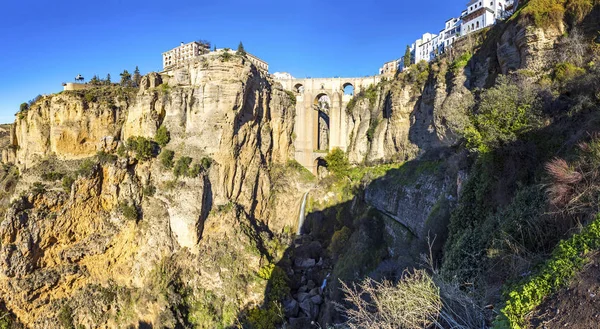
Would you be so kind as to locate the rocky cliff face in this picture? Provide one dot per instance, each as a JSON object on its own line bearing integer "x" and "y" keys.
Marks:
{"x": 56, "y": 248}
{"x": 424, "y": 108}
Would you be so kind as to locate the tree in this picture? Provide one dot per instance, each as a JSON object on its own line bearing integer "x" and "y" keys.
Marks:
{"x": 95, "y": 81}
{"x": 137, "y": 78}
{"x": 23, "y": 107}
{"x": 125, "y": 78}
{"x": 215, "y": 48}
{"x": 107, "y": 81}
{"x": 407, "y": 57}
{"x": 162, "y": 136}
{"x": 240, "y": 50}
{"x": 166, "y": 158}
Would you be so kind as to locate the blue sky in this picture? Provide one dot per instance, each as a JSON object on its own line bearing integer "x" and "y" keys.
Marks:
{"x": 46, "y": 42}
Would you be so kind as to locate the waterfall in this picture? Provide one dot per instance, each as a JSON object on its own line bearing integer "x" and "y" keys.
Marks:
{"x": 301, "y": 214}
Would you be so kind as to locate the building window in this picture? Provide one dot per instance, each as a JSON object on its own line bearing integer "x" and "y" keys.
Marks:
{"x": 477, "y": 24}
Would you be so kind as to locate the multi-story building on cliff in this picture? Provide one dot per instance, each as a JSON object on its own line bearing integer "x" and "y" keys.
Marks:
{"x": 390, "y": 68}
{"x": 478, "y": 15}
{"x": 483, "y": 13}
{"x": 190, "y": 51}
{"x": 183, "y": 53}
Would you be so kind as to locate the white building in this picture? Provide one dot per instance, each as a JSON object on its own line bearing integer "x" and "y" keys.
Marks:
{"x": 184, "y": 53}
{"x": 450, "y": 33}
{"x": 424, "y": 47}
{"x": 483, "y": 13}
{"x": 390, "y": 68}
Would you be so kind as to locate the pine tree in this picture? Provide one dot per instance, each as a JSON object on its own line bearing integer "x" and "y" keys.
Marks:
{"x": 215, "y": 48}
{"x": 137, "y": 78}
{"x": 125, "y": 78}
{"x": 407, "y": 57}
{"x": 107, "y": 81}
{"x": 240, "y": 50}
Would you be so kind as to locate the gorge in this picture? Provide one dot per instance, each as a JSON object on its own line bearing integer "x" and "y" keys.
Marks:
{"x": 207, "y": 197}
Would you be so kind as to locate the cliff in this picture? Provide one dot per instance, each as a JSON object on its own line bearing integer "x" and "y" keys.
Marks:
{"x": 58, "y": 248}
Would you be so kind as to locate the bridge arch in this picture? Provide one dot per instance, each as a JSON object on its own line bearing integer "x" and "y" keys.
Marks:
{"x": 322, "y": 104}
{"x": 348, "y": 89}
{"x": 299, "y": 88}
{"x": 320, "y": 166}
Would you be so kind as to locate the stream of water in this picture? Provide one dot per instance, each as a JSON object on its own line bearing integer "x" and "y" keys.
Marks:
{"x": 302, "y": 214}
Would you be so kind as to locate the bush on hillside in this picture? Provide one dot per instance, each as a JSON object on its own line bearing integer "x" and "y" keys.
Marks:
{"x": 504, "y": 111}
{"x": 166, "y": 158}
{"x": 337, "y": 162}
{"x": 545, "y": 13}
{"x": 564, "y": 72}
{"x": 413, "y": 302}
{"x": 143, "y": 147}
{"x": 162, "y": 136}
{"x": 182, "y": 166}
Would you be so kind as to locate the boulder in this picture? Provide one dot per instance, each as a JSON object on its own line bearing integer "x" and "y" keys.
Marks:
{"x": 317, "y": 300}
{"x": 302, "y": 296}
{"x": 290, "y": 308}
{"x": 304, "y": 263}
{"x": 300, "y": 323}
{"x": 315, "y": 291}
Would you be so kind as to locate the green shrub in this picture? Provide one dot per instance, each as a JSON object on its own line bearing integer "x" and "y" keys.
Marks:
{"x": 206, "y": 162}
{"x": 225, "y": 56}
{"x": 86, "y": 167}
{"x": 195, "y": 170}
{"x": 504, "y": 111}
{"x": 292, "y": 96}
{"x": 577, "y": 10}
{"x": 339, "y": 240}
{"x": 52, "y": 176}
{"x": 65, "y": 317}
{"x": 163, "y": 136}
{"x": 149, "y": 190}
{"x": 568, "y": 257}
{"x": 39, "y": 187}
{"x": 545, "y": 13}
{"x": 166, "y": 158}
{"x": 23, "y": 107}
{"x": 105, "y": 158}
{"x": 67, "y": 183}
{"x": 564, "y": 72}
{"x": 337, "y": 162}
{"x": 122, "y": 151}
{"x": 143, "y": 147}
{"x": 90, "y": 97}
{"x": 128, "y": 211}
{"x": 461, "y": 62}
{"x": 182, "y": 166}
{"x": 372, "y": 127}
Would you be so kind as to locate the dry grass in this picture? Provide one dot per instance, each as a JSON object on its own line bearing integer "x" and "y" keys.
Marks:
{"x": 413, "y": 302}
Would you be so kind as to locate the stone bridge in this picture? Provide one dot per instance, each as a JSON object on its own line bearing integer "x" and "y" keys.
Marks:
{"x": 321, "y": 119}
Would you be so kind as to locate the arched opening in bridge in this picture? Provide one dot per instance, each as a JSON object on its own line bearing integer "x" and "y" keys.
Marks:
{"x": 320, "y": 167}
{"x": 322, "y": 105}
{"x": 348, "y": 89}
{"x": 299, "y": 88}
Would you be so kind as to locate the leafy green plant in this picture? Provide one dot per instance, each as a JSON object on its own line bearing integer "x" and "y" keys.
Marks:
{"x": 143, "y": 147}
{"x": 105, "y": 158}
{"x": 163, "y": 136}
{"x": 568, "y": 257}
{"x": 86, "y": 167}
{"x": 65, "y": 317}
{"x": 166, "y": 158}
{"x": 182, "y": 166}
{"x": 67, "y": 183}
{"x": 564, "y": 72}
{"x": 372, "y": 127}
{"x": 52, "y": 176}
{"x": 128, "y": 211}
{"x": 461, "y": 62}
{"x": 504, "y": 111}
{"x": 337, "y": 162}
